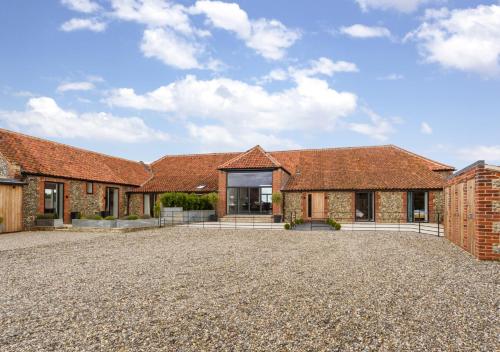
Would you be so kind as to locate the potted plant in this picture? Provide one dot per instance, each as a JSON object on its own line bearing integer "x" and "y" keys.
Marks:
{"x": 95, "y": 221}
{"x": 48, "y": 220}
{"x": 1, "y": 224}
{"x": 277, "y": 198}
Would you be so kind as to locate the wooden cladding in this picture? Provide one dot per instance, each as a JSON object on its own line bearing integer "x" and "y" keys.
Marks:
{"x": 11, "y": 207}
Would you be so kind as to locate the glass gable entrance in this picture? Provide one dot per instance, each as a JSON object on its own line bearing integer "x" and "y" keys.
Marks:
{"x": 249, "y": 192}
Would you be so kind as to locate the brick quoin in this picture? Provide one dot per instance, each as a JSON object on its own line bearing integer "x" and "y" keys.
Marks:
{"x": 485, "y": 220}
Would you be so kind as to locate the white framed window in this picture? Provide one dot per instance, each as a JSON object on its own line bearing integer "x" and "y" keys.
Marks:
{"x": 90, "y": 187}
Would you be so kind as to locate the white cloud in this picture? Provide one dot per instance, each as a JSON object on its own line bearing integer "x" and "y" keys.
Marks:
{"x": 85, "y": 6}
{"x": 155, "y": 13}
{"x": 44, "y": 117}
{"x": 378, "y": 128}
{"x": 310, "y": 104}
{"x": 269, "y": 38}
{"x": 219, "y": 138}
{"x": 79, "y": 86}
{"x": 405, "y": 6}
{"x": 170, "y": 48}
{"x": 391, "y": 77}
{"x": 462, "y": 39}
{"x": 362, "y": 31}
{"x": 322, "y": 66}
{"x": 91, "y": 24}
{"x": 481, "y": 152}
{"x": 425, "y": 128}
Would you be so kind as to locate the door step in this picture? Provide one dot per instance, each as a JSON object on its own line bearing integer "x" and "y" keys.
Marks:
{"x": 247, "y": 218}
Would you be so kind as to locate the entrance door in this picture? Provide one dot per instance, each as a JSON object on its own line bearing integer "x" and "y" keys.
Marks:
{"x": 471, "y": 215}
{"x": 316, "y": 206}
{"x": 365, "y": 204}
{"x": 11, "y": 207}
{"x": 112, "y": 201}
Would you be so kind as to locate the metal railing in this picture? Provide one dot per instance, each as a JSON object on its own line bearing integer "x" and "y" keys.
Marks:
{"x": 431, "y": 224}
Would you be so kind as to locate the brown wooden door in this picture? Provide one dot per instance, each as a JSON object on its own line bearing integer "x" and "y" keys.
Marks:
{"x": 315, "y": 205}
{"x": 11, "y": 207}
{"x": 461, "y": 215}
{"x": 471, "y": 215}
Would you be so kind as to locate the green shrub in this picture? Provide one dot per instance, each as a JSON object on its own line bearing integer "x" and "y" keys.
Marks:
{"x": 299, "y": 221}
{"x": 1, "y": 220}
{"x": 277, "y": 198}
{"x": 338, "y": 226}
{"x": 189, "y": 201}
{"x": 91, "y": 217}
{"x": 131, "y": 217}
{"x": 110, "y": 218}
{"x": 288, "y": 226}
{"x": 145, "y": 216}
{"x": 46, "y": 216}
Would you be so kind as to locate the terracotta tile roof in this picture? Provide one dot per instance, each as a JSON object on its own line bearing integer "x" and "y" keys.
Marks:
{"x": 38, "y": 156}
{"x": 382, "y": 167}
{"x": 377, "y": 168}
{"x": 252, "y": 159}
{"x": 186, "y": 173}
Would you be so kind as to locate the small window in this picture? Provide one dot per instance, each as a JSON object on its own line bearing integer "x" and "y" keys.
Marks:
{"x": 90, "y": 187}
{"x": 201, "y": 186}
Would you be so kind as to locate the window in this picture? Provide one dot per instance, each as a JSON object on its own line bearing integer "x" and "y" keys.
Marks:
{"x": 200, "y": 187}
{"x": 250, "y": 179}
{"x": 418, "y": 206}
{"x": 54, "y": 199}
{"x": 149, "y": 204}
{"x": 365, "y": 205}
{"x": 90, "y": 187}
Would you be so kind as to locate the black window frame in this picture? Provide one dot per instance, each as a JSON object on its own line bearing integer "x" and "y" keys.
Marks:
{"x": 371, "y": 202}
{"x": 410, "y": 206}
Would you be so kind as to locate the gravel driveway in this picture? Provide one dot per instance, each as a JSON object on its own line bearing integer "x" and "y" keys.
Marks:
{"x": 195, "y": 289}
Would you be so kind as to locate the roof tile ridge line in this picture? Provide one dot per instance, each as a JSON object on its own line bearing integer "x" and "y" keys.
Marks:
{"x": 190, "y": 155}
{"x": 422, "y": 157}
{"x": 330, "y": 148}
{"x": 67, "y": 145}
{"x": 269, "y": 156}
{"x": 241, "y": 155}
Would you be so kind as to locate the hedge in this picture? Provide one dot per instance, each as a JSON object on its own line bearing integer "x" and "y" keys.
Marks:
{"x": 189, "y": 201}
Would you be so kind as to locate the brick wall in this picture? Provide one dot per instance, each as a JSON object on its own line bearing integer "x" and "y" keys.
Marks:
{"x": 222, "y": 203}
{"x": 76, "y": 198}
{"x": 472, "y": 215}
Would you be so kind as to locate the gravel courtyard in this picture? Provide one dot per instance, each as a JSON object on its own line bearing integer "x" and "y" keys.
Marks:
{"x": 194, "y": 289}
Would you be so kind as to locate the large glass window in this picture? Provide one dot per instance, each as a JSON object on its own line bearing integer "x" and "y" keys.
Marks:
{"x": 249, "y": 192}
{"x": 418, "y": 210}
{"x": 365, "y": 205}
{"x": 250, "y": 179}
{"x": 54, "y": 199}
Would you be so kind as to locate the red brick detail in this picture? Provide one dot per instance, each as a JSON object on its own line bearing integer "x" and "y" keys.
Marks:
{"x": 278, "y": 181}
{"x": 222, "y": 203}
{"x": 485, "y": 240}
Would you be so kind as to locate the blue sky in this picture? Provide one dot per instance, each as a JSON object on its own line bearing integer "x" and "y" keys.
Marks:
{"x": 145, "y": 78}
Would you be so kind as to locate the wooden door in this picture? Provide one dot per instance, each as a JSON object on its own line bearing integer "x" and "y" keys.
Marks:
{"x": 461, "y": 215}
{"x": 471, "y": 215}
{"x": 316, "y": 205}
{"x": 11, "y": 207}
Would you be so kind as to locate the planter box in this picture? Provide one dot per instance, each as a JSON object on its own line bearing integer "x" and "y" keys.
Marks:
{"x": 130, "y": 224}
{"x": 277, "y": 218}
{"x": 49, "y": 222}
{"x": 105, "y": 224}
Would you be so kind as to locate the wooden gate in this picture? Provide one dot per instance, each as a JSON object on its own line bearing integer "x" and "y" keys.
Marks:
{"x": 471, "y": 216}
{"x": 11, "y": 207}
